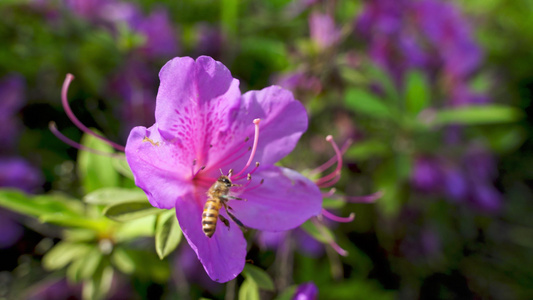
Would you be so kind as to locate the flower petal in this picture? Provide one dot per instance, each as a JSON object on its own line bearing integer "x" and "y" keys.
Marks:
{"x": 283, "y": 121}
{"x": 194, "y": 104}
{"x": 285, "y": 200}
{"x": 224, "y": 254}
{"x": 155, "y": 167}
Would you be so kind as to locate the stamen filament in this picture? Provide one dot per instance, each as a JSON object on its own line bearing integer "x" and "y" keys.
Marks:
{"x": 249, "y": 174}
{"x": 335, "y": 218}
{"x": 254, "y": 147}
{"x": 72, "y": 117}
{"x": 332, "y": 160}
{"x": 330, "y": 240}
{"x": 66, "y": 140}
{"x": 364, "y": 199}
{"x": 330, "y": 193}
{"x": 329, "y": 182}
{"x": 255, "y": 186}
{"x": 337, "y": 170}
{"x": 223, "y": 162}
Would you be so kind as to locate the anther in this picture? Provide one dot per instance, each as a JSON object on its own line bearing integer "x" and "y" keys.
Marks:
{"x": 249, "y": 176}
{"x": 72, "y": 117}
{"x": 246, "y": 139}
{"x": 194, "y": 162}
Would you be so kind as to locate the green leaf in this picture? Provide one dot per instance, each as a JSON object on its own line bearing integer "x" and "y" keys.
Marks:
{"x": 145, "y": 265}
{"x": 287, "y": 294}
{"x": 259, "y": 277}
{"x": 333, "y": 203}
{"x": 321, "y": 234}
{"x": 361, "y": 101}
{"x": 39, "y": 205}
{"x": 74, "y": 221}
{"x": 111, "y": 195}
{"x": 121, "y": 165}
{"x": 229, "y": 16}
{"x": 417, "y": 92}
{"x": 98, "y": 286}
{"x": 64, "y": 253}
{"x": 248, "y": 290}
{"x": 123, "y": 261}
{"x": 96, "y": 171}
{"x": 477, "y": 115}
{"x": 368, "y": 149}
{"x": 90, "y": 263}
{"x": 167, "y": 233}
{"x": 127, "y": 211}
{"x": 142, "y": 227}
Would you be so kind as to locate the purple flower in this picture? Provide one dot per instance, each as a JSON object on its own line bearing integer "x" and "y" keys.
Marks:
{"x": 427, "y": 174}
{"x": 306, "y": 291}
{"x": 12, "y": 231}
{"x": 15, "y": 172}
{"x": 204, "y": 126}
{"x": 160, "y": 34}
{"x": 12, "y": 100}
{"x": 323, "y": 31}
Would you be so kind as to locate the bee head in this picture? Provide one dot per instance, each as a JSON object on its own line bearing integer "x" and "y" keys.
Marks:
{"x": 225, "y": 180}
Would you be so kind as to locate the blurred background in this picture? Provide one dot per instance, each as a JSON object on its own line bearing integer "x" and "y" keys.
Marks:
{"x": 433, "y": 95}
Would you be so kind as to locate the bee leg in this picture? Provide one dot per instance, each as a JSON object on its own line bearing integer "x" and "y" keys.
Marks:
{"x": 228, "y": 197}
{"x": 237, "y": 221}
{"x": 224, "y": 220}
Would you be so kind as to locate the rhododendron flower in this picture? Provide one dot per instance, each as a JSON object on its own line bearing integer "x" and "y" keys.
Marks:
{"x": 204, "y": 126}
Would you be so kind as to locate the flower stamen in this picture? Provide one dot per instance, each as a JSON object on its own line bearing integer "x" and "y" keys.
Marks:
{"x": 335, "y": 218}
{"x": 72, "y": 117}
{"x": 326, "y": 181}
{"x": 254, "y": 148}
{"x": 332, "y": 160}
{"x": 66, "y": 140}
{"x": 364, "y": 199}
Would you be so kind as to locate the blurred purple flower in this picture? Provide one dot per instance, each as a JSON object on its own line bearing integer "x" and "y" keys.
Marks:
{"x": 203, "y": 125}
{"x": 135, "y": 85}
{"x": 17, "y": 173}
{"x": 12, "y": 231}
{"x": 299, "y": 82}
{"x": 306, "y": 291}
{"x": 54, "y": 289}
{"x": 426, "y": 174}
{"x": 13, "y": 99}
{"x": 323, "y": 31}
{"x": 210, "y": 40}
{"x": 304, "y": 242}
{"x": 486, "y": 197}
{"x": 160, "y": 34}
{"x": 431, "y": 35}
{"x": 89, "y": 9}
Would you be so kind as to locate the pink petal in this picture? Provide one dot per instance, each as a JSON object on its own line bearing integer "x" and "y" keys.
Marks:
{"x": 194, "y": 104}
{"x": 155, "y": 167}
{"x": 284, "y": 201}
{"x": 224, "y": 254}
{"x": 283, "y": 121}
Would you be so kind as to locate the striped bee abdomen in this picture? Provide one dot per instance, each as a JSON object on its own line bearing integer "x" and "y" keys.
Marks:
{"x": 210, "y": 216}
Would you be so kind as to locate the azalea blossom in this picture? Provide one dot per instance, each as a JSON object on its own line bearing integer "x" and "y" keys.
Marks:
{"x": 204, "y": 127}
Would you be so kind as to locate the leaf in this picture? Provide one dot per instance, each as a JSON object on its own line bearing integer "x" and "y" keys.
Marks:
{"x": 39, "y": 205}
{"x": 142, "y": 227}
{"x": 99, "y": 285}
{"x": 322, "y": 234}
{"x": 123, "y": 261}
{"x": 287, "y": 294}
{"x": 127, "y": 211}
{"x": 74, "y": 221}
{"x": 477, "y": 115}
{"x": 368, "y": 149}
{"x": 121, "y": 165}
{"x": 64, "y": 253}
{"x": 248, "y": 291}
{"x": 90, "y": 263}
{"x": 259, "y": 277}
{"x": 96, "y": 171}
{"x": 110, "y": 195}
{"x": 167, "y": 233}
{"x": 361, "y": 101}
{"x": 417, "y": 92}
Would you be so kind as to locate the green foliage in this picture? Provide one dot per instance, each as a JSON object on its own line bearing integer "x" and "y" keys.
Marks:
{"x": 96, "y": 171}
{"x": 259, "y": 277}
{"x": 249, "y": 290}
{"x": 167, "y": 233}
{"x": 130, "y": 210}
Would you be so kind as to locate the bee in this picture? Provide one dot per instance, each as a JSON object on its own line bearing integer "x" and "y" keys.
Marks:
{"x": 218, "y": 196}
